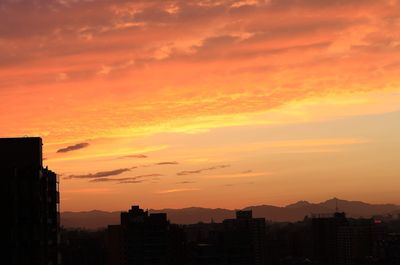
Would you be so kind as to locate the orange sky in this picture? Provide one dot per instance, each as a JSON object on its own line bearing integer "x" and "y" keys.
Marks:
{"x": 206, "y": 103}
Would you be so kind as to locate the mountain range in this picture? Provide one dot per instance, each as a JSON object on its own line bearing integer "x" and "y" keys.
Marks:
{"x": 294, "y": 212}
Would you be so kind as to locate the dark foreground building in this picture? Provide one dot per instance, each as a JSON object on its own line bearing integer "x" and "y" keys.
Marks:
{"x": 145, "y": 239}
{"x": 31, "y": 212}
{"x": 244, "y": 240}
{"x": 338, "y": 240}
{"x": 239, "y": 241}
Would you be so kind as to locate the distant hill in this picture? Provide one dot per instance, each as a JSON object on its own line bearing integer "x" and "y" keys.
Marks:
{"x": 90, "y": 220}
{"x": 290, "y": 213}
{"x": 297, "y": 211}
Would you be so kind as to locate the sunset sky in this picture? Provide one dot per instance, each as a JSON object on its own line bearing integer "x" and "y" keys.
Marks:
{"x": 221, "y": 103}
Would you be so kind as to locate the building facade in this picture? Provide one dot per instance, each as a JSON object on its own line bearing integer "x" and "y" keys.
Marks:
{"x": 32, "y": 204}
{"x": 244, "y": 240}
{"x": 145, "y": 239}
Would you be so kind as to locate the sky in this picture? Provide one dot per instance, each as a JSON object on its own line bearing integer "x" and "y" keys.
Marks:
{"x": 222, "y": 103}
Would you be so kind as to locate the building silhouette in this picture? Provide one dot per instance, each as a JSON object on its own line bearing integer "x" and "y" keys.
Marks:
{"x": 31, "y": 204}
{"x": 237, "y": 241}
{"x": 204, "y": 243}
{"x": 330, "y": 238}
{"x": 326, "y": 239}
{"x": 244, "y": 239}
{"x": 338, "y": 240}
{"x": 144, "y": 239}
{"x": 83, "y": 247}
{"x": 388, "y": 249}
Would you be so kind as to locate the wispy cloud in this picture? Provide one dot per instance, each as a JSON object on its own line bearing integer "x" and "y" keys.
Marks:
{"x": 238, "y": 184}
{"x": 176, "y": 190}
{"x": 127, "y": 180}
{"x": 73, "y": 148}
{"x": 185, "y": 182}
{"x": 166, "y": 163}
{"x": 313, "y": 145}
{"x": 315, "y": 142}
{"x": 132, "y": 181}
{"x": 101, "y": 174}
{"x": 134, "y": 156}
{"x": 89, "y": 191}
{"x": 108, "y": 154}
{"x": 198, "y": 171}
{"x": 246, "y": 174}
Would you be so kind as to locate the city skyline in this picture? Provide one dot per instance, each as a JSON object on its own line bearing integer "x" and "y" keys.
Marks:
{"x": 173, "y": 104}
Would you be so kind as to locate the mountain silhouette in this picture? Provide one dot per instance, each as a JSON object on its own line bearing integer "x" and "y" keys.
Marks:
{"x": 290, "y": 213}
{"x": 89, "y": 219}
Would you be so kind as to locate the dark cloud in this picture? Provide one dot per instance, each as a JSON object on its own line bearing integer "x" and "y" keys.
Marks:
{"x": 101, "y": 174}
{"x": 73, "y": 147}
{"x": 118, "y": 180}
{"x": 239, "y": 184}
{"x": 134, "y": 156}
{"x": 135, "y": 179}
{"x": 198, "y": 171}
{"x": 150, "y": 175}
{"x": 166, "y": 163}
{"x": 130, "y": 181}
{"x": 186, "y": 182}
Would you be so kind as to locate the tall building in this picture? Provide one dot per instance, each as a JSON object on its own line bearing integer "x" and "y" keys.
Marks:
{"x": 338, "y": 240}
{"x": 331, "y": 239}
{"x": 31, "y": 204}
{"x": 204, "y": 243}
{"x": 244, "y": 240}
{"x": 145, "y": 239}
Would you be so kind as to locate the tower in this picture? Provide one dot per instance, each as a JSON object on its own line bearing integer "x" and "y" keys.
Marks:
{"x": 31, "y": 198}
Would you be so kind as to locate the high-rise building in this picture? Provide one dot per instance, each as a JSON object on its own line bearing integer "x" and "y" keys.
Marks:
{"x": 244, "y": 239}
{"x": 145, "y": 239}
{"x": 338, "y": 240}
{"x": 31, "y": 197}
{"x": 330, "y": 238}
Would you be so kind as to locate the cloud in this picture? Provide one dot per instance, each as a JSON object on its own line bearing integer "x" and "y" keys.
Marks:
{"x": 246, "y": 174}
{"x": 127, "y": 180}
{"x": 134, "y": 156}
{"x": 238, "y": 184}
{"x": 186, "y": 182}
{"x": 321, "y": 47}
{"x": 131, "y": 181}
{"x": 198, "y": 171}
{"x": 176, "y": 190}
{"x": 73, "y": 148}
{"x": 101, "y": 174}
{"x": 307, "y": 145}
{"x": 89, "y": 191}
{"x": 166, "y": 163}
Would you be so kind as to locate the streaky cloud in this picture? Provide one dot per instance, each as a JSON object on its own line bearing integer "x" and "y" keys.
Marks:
{"x": 101, "y": 174}
{"x": 166, "y": 163}
{"x": 134, "y": 179}
{"x": 134, "y": 156}
{"x": 198, "y": 171}
{"x": 73, "y": 148}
